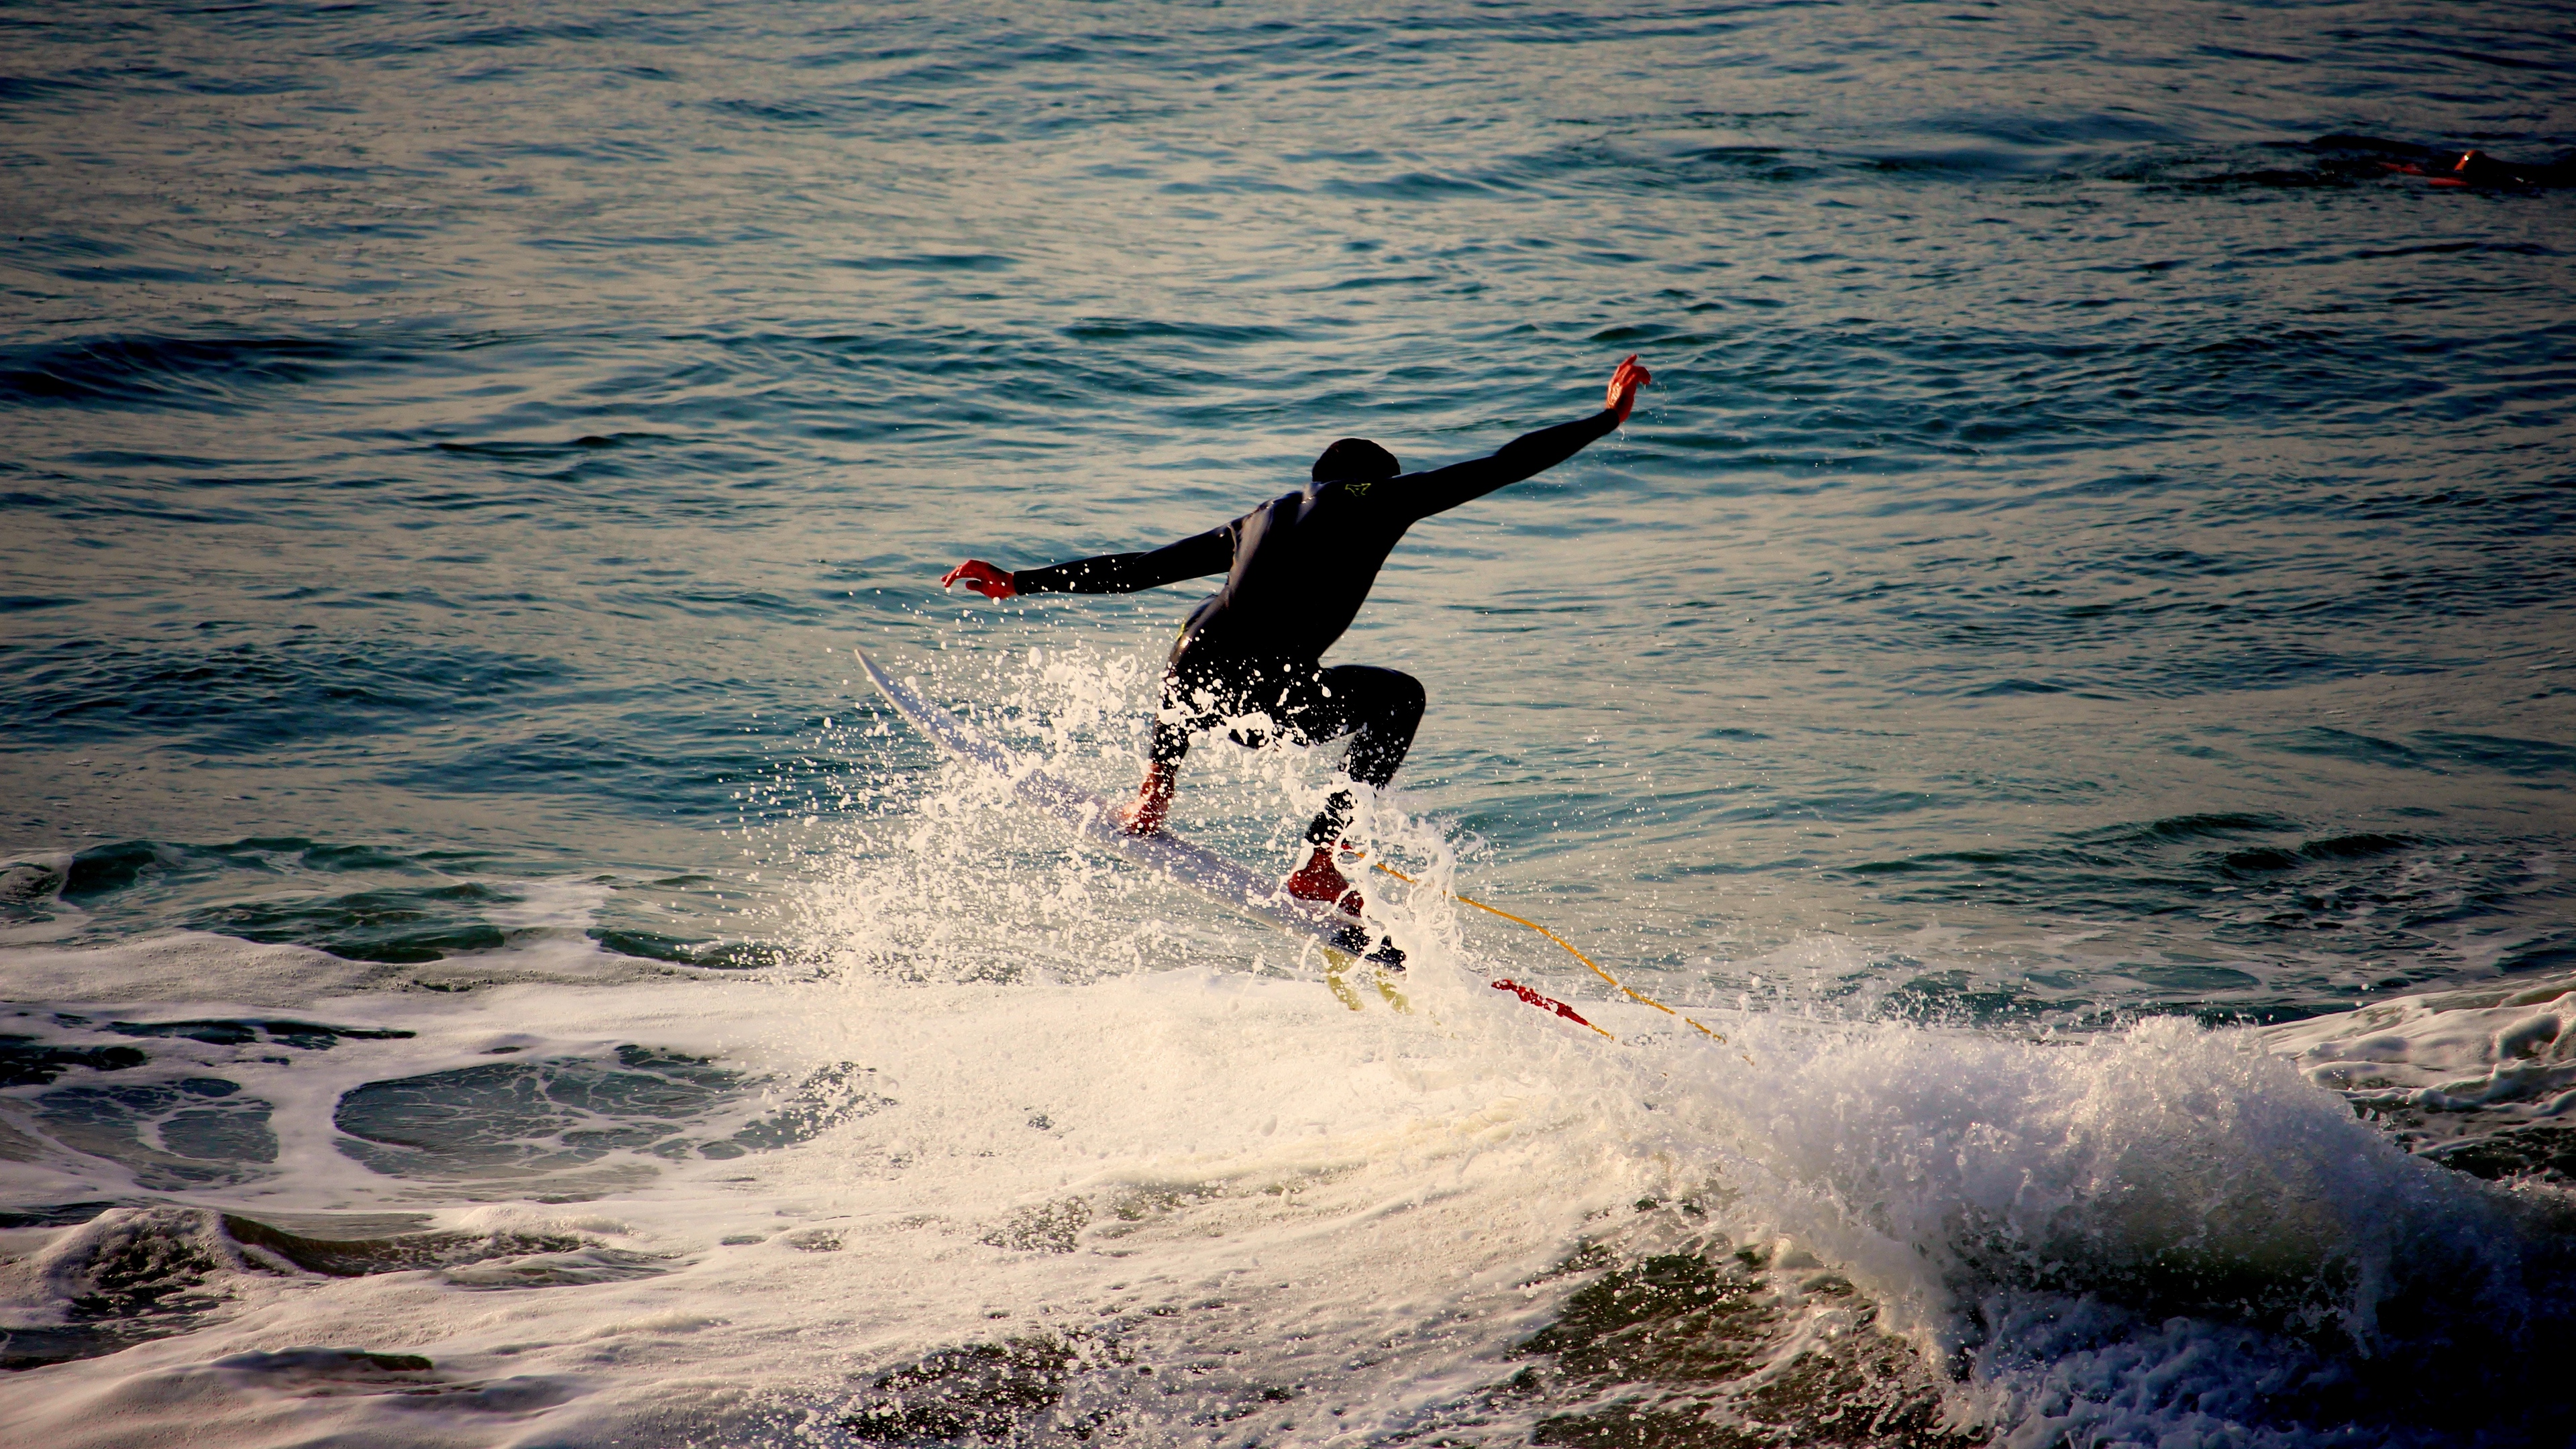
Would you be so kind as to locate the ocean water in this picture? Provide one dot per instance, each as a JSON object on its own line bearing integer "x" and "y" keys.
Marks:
{"x": 2069, "y": 672}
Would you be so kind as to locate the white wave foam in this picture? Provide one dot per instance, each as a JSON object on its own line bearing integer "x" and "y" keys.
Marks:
{"x": 1362, "y": 1192}
{"x": 2457, "y": 1062}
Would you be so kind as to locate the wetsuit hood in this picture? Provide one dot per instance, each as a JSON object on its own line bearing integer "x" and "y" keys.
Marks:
{"x": 1355, "y": 458}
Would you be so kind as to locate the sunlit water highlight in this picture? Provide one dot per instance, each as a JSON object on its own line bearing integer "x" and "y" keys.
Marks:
{"x": 2082, "y": 611}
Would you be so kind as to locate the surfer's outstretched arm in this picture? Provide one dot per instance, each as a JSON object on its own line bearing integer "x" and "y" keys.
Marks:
{"x": 1211, "y": 552}
{"x": 1526, "y": 456}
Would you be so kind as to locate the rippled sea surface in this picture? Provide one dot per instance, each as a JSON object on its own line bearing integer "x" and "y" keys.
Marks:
{"x": 2082, "y": 612}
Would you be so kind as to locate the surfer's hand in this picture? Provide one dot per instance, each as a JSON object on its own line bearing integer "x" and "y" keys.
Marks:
{"x": 1624, "y": 384}
{"x": 983, "y": 578}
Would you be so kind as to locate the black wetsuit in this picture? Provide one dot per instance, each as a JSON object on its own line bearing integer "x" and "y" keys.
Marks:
{"x": 1297, "y": 570}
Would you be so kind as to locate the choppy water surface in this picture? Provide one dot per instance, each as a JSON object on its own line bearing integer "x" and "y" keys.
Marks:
{"x": 2082, "y": 611}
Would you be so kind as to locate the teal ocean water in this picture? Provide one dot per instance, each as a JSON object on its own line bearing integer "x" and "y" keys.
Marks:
{"x": 2069, "y": 669}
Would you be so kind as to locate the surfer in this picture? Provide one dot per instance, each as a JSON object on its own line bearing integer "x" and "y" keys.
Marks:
{"x": 1297, "y": 570}
{"x": 2350, "y": 157}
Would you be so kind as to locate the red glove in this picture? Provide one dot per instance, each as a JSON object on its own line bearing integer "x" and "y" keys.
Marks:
{"x": 983, "y": 578}
{"x": 1624, "y": 384}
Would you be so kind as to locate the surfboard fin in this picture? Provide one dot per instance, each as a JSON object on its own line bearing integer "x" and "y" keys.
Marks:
{"x": 1353, "y": 940}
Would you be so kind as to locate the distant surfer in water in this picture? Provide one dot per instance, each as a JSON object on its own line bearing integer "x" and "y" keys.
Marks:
{"x": 1297, "y": 570}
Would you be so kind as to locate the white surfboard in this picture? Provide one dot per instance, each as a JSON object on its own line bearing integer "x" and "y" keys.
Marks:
{"x": 1342, "y": 938}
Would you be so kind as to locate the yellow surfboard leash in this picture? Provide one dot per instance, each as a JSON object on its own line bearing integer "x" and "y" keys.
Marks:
{"x": 1633, "y": 994}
